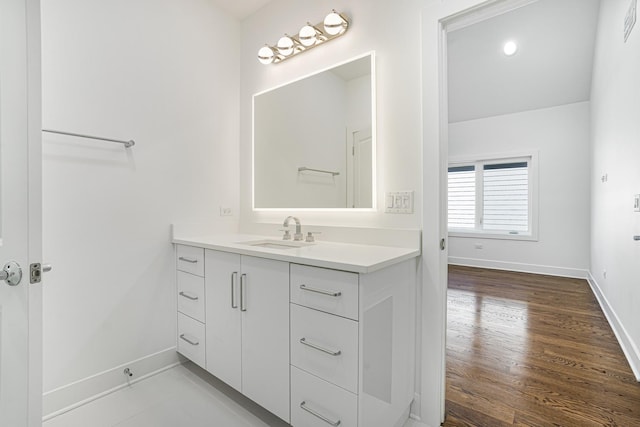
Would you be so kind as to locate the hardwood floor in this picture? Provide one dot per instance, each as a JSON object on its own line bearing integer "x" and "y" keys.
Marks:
{"x": 525, "y": 349}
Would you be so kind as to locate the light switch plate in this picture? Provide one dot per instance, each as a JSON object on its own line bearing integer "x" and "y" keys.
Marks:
{"x": 399, "y": 202}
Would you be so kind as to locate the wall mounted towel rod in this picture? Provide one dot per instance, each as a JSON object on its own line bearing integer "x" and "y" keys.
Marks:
{"x": 304, "y": 168}
{"x": 127, "y": 144}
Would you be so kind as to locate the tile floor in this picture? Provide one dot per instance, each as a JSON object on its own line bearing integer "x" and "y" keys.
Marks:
{"x": 183, "y": 396}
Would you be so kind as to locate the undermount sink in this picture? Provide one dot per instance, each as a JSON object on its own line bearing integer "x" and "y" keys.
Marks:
{"x": 276, "y": 244}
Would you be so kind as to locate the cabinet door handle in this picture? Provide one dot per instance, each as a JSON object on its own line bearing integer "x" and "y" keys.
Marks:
{"x": 187, "y": 296}
{"x": 243, "y": 292}
{"x": 234, "y": 279}
{"x": 322, "y": 349}
{"x": 320, "y": 291}
{"x": 191, "y": 260}
{"x": 303, "y": 405}
{"x": 185, "y": 338}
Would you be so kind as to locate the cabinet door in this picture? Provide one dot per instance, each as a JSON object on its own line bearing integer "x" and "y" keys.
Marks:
{"x": 265, "y": 334}
{"x": 223, "y": 325}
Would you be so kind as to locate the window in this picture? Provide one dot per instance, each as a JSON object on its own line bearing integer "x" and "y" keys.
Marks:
{"x": 492, "y": 197}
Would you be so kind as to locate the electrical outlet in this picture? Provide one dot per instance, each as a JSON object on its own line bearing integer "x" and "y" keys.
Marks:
{"x": 636, "y": 203}
{"x": 226, "y": 211}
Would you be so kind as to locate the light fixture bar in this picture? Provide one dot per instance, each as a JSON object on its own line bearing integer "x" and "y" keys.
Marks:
{"x": 334, "y": 25}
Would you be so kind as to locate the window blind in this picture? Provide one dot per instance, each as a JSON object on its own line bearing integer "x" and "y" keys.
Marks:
{"x": 506, "y": 197}
{"x": 462, "y": 197}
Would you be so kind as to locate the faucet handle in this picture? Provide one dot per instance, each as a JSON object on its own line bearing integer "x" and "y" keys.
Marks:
{"x": 286, "y": 235}
{"x": 310, "y": 237}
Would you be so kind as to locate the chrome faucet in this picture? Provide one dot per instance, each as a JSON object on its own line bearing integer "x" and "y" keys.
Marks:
{"x": 298, "y": 235}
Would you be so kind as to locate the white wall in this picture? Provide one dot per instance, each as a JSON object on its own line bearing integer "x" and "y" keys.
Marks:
{"x": 560, "y": 136}
{"x": 615, "y": 134}
{"x": 392, "y": 29}
{"x": 165, "y": 73}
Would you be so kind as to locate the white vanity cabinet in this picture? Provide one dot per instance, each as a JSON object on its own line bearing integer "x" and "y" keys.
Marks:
{"x": 352, "y": 346}
{"x": 319, "y": 336}
{"x": 247, "y": 326}
{"x": 191, "y": 304}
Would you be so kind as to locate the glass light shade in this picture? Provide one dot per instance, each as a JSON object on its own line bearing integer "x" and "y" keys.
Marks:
{"x": 307, "y": 35}
{"x": 266, "y": 55}
{"x": 334, "y": 23}
{"x": 285, "y": 46}
{"x": 510, "y": 48}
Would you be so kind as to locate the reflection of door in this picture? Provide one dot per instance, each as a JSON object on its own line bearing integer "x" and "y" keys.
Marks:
{"x": 360, "y": 170}
{"x": 20, "y": 213}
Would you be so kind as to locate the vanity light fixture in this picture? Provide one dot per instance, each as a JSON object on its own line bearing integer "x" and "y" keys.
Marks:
{"x": 309, "y": 35}
{"x": 334, "y": 25}
{"x": 510, "y": 48}
{"x": 266, "y": 54}
{"x": 285, "y": 45}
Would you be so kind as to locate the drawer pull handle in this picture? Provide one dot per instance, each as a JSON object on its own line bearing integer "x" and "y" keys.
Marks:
{"x": 187, "y": 296}
{"x": 303, "y": 405}
{"x": 191, "y": 260}
{"x": 243, "y": 292}
{"x": 322, "y": 349}
{"x": 321, "y": 291}
{"x": 185, "y": 338}
{"x": 234, "y": 278}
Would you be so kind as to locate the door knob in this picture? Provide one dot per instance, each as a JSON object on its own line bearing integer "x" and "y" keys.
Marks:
{"x": 11, "y": 273}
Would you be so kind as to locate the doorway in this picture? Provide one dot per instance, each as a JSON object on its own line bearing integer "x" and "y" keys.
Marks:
{"x": 524, "y": 111}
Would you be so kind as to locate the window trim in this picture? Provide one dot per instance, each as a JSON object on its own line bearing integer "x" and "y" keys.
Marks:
{"x": 532, "y": 158}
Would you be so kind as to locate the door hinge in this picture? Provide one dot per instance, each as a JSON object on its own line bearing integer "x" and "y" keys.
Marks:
{"x": 442, "y": 244}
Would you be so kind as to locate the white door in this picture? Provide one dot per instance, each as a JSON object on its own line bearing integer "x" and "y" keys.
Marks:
{"x": 360, "y": 170}
{"x": 265, "y": 333}
{"x": 20, "y": 213}
{"x": 223, "y": 327}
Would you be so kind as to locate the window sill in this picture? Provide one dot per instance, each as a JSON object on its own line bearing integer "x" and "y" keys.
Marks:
{"x": 489, "y": 235}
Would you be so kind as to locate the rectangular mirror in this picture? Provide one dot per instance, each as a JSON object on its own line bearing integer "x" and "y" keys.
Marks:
{"x": 314, "y": 140}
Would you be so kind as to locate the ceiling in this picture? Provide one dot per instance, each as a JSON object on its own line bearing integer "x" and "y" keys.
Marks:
{"x": 240, "y": 9}
{"x": 552, "y": 66}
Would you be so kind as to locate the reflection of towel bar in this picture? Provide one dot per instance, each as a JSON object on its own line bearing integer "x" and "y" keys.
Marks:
{"x": 304, "y": 168}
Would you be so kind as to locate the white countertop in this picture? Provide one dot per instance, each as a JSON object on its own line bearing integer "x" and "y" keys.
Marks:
{"x": 339, "y": 256}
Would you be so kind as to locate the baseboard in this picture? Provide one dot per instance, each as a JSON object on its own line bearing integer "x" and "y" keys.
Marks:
{"x": 629, "y": 348}
{"x": 520, "y": 267}
{"x": 70, "y": 396}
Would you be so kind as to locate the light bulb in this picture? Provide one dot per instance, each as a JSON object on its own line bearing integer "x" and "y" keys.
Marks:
{"x": 266, "y": 55}
{"x": 334, "y": 23}
{"x": 307, "y": 35}
{"x": 510, "y": 48}
{"x": 285, "y": 45}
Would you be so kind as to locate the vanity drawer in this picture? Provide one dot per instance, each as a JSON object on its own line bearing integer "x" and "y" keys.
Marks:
{"x": 191, "y": 339}
{"x": 191, "y": 295}
{"x": 330, "y": 404}
{"x": 325, "y": 345}
{"x": 190, "y": 259}
{"x": 331, "y": 291}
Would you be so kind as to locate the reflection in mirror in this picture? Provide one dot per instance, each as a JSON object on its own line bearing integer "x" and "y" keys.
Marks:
{"x": 313, "y": 143}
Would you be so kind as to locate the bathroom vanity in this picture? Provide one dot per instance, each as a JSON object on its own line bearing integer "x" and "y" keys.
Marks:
{"x": 319, "y": 334}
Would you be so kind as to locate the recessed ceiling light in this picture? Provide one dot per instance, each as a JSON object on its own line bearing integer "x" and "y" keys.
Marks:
{"x": 510, "y": 48}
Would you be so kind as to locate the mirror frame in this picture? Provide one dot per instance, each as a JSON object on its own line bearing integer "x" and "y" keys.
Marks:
{"x": 374, "y": 136}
